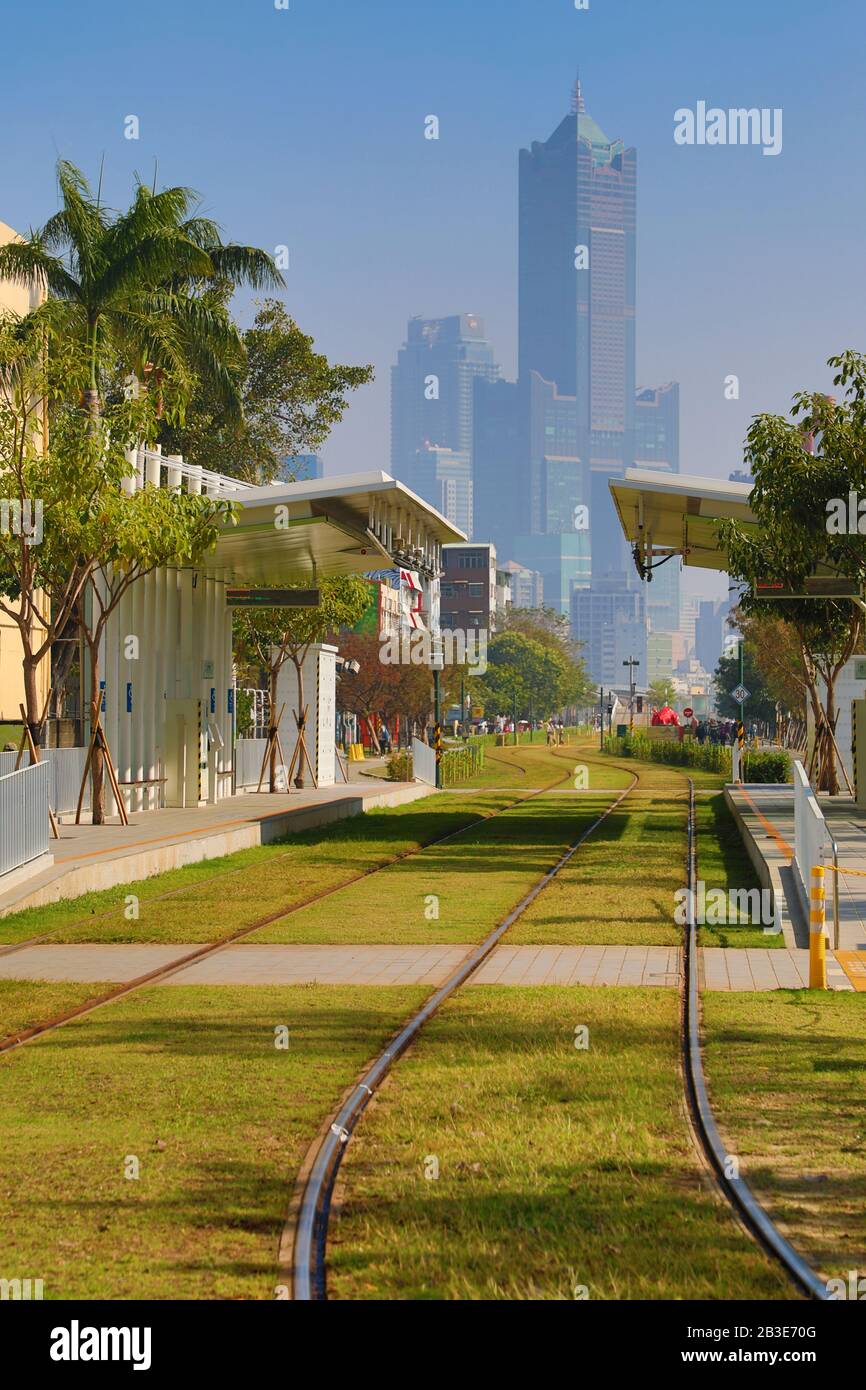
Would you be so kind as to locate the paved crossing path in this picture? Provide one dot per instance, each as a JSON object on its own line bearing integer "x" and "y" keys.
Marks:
{"x": 728, "y": 970}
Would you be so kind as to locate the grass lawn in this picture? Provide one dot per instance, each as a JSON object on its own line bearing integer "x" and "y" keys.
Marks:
{"x": 188, "y": 1081}
{"x": 787, "y": 1078}
{"x": 476, "y": 879}
{"x": 619, "y": 888}
{"x": 556, "y": 1167}
{"x": 723, "y": 863}
{"x": 208, "y": 900}
{"x": 26, "y": 1002}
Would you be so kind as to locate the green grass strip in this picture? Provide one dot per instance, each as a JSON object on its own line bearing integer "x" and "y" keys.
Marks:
{"x": 558, "y": 1169}
{"x": 188, "y": 1082}
{"x": 787, "y": 1078}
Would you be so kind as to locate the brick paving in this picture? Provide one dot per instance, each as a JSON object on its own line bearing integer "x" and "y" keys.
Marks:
{"x": 244, "y": 964}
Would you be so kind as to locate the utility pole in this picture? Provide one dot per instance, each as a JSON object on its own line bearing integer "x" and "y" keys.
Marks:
{"x": 631, "y": 663}
{"x": 742, "y": 687}
{"x": 601, "y": 719}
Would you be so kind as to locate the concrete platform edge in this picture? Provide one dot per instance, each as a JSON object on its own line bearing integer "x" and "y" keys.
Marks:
{"x": 128, "y": 868}
{"x": 778, "y": 878}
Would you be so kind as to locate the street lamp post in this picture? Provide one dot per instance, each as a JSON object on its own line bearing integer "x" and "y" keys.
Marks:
{"x": 631, "y": 662}
{"x": 437, "y": 662}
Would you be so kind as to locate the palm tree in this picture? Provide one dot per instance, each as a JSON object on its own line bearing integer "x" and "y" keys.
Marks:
{"x": 145, "y": 289}
{"x": 144, "y": 292}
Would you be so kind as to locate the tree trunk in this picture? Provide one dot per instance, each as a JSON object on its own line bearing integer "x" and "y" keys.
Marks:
{"x": 31, "y": 695}
{"x": 832, "y": 770}
{"x": 272, "y": 695}
{"x": 97, "y": 769}
{"x": 299, "y": 720}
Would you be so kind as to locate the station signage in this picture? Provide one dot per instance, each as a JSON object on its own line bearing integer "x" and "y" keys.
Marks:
{"x": 818, "y": 586}
{"x": 272, "y": 598}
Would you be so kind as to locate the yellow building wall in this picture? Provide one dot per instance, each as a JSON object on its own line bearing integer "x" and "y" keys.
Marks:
{"x": 17, "y": 300}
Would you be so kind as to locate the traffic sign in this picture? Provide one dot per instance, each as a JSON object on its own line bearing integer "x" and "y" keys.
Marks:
{"x": 272, "y": 598}
{"x": 688, "y": 712}
{"x": 740, "y": 694}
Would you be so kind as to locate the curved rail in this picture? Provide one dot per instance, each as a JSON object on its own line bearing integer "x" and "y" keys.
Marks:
{"x": 307, "y": 1237}
{"x": 25, "y": 1035}
{"x": 735, "y": 1189}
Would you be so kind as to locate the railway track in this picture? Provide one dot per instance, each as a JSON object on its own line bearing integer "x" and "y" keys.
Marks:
{"x": 303, "y": 1247}
{"x": 723, "y": 1165}
{"x": 13, "y": 1041}
{"x": 303, "y": 1244}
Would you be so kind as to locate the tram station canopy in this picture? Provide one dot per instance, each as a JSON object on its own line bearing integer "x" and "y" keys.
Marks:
{"x": 677, "y": 514}
{"x": 350, "y": 524}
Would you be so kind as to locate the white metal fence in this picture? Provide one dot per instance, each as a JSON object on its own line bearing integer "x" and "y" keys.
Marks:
{"x": 248, "y": 761}
{"x": 64, "y": 779}
{"x": 23, "y": 816}
{"x": 424, "y": 762}
{"x": 813, "y": 842}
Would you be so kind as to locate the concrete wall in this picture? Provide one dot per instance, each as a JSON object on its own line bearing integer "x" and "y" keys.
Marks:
{"x": 169, "y": 641}
{"x": 319, "y": 676}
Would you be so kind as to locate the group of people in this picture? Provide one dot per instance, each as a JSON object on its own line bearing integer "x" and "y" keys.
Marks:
{"x": 718, "y": 731}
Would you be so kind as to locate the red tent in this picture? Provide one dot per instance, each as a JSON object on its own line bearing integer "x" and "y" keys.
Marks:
{"x": 665, "y": 715}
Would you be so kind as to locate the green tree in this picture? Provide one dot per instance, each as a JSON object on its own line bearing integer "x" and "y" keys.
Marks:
{"x": 797, "y": 500}
{"x": 661, "y": 692}
{"x": 141, "y": 290}
{"x": 272, "y": 636}
{"x": 291, "y": 397}
{"x": 552, "y": 630}
{"x": 523, "y": 673}
{"x": 96, "y": 540}
{"x": 760, "y": 704}
{"x": 46, "y": 494}
{"x": 777, "y": 654}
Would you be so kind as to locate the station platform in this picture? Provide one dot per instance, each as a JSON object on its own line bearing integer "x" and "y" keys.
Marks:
{"x": 87, "y": 858}
{"x": 765, "y": 815}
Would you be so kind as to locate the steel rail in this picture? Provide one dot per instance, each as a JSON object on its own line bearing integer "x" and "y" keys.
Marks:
{"x": 309, "y": 1233}
{"x": 735, "y": 1189}
{"x": 12, "y": 1041}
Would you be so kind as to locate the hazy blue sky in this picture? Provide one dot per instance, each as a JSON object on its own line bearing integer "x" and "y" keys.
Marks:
{"x": 306, "y": 127}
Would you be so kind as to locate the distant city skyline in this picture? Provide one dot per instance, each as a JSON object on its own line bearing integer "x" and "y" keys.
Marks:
{"x": 745, "y": 265}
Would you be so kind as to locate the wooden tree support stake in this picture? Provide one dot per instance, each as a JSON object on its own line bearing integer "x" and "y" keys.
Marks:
{"x": 98, "y": 740}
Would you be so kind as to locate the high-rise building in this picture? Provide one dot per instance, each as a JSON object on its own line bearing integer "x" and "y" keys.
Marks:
{"x": 530, "y": 484}
{"x": 432, "y": 387}
{"x": 711, "y": 631}
{"x": 474, "y": 592}
{"x": 610, "y": 621}
{"x": 577, "y": 271}
{"x": 443, "y": 477}
{"x": 657, "y": 446}
{"x": 301, "y": 468}
{"x": 527, "y": 586}
{"x": 657, "y": 427}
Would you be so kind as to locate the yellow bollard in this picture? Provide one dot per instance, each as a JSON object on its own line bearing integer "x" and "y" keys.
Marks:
{"x": 817, "y": 944}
